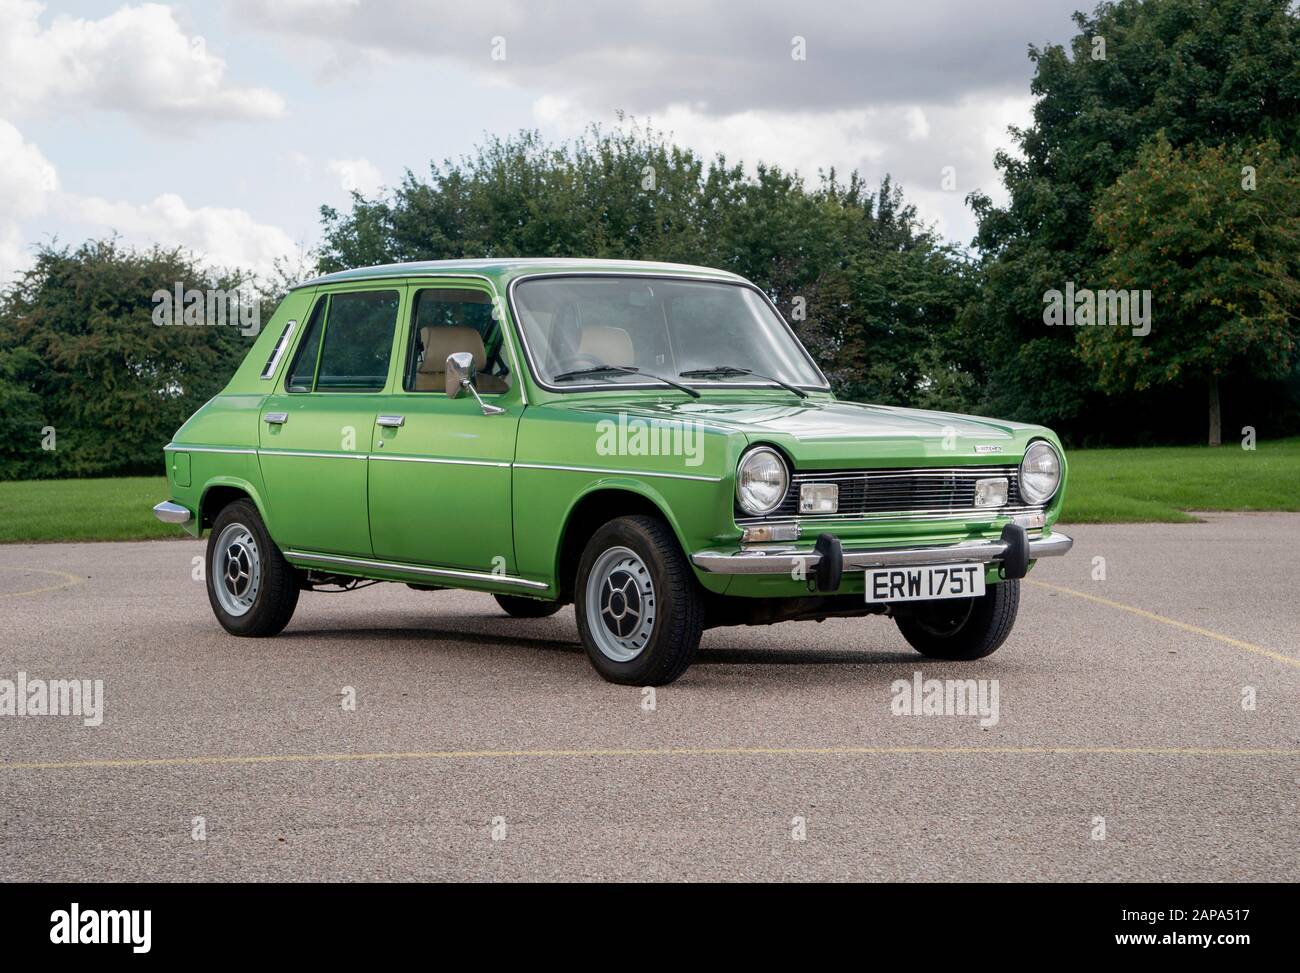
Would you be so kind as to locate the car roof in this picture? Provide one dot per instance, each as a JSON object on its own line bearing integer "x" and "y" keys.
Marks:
{"x": 502, "y": 270}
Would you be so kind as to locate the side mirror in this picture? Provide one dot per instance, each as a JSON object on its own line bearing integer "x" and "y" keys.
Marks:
{"x": 461, "y": 375}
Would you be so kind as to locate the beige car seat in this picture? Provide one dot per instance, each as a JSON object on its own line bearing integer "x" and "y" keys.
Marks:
{"x": 439, "y": 341}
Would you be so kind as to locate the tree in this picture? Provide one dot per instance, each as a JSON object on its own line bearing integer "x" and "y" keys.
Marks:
{"x": 80, "y": 352}
{"x": 1213, "y": 233}
{"x": 871, "y": 291}
{"x": 1206, "y": 72}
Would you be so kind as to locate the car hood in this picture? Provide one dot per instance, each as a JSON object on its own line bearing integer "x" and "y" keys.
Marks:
{"x": 823, "y": 431}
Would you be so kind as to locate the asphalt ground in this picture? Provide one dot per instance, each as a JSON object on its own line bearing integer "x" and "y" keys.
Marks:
{"x": 1148, "y": 729}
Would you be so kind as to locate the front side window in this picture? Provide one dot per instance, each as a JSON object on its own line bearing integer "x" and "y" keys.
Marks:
{"x": 347, "y": 344}
{"x": 678, "y": 329}
{"x": 450, "y": 320}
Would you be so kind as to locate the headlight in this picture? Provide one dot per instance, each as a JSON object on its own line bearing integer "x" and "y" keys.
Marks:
{"x": 1040, "y": 472}
{"x": 761, "y": 481}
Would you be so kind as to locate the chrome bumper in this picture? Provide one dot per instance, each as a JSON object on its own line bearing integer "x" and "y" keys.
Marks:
{"x": 172, "y": 513}
{"x": 784, "y": 560}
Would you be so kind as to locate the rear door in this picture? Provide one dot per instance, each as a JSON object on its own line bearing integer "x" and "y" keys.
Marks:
{"x": 316, "y": 429}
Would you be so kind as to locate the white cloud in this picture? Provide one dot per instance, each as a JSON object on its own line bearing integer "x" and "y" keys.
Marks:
{"x": 357, "y": 175}
{"x": 27, "y": 180}
{"x": 136, "y": 60}
{"x": 219, "y": 236}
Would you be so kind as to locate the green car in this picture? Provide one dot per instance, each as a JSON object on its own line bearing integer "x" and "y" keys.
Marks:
{"x": 649, "y": 442}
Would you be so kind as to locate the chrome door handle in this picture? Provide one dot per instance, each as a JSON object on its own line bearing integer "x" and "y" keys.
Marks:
{"x": 276, "y": 418}
{"x": 392, "y": 422}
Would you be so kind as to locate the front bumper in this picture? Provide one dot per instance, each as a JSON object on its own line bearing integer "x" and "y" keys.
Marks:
{"x": 172, "y": 513}
{"x": 785, "y": 560}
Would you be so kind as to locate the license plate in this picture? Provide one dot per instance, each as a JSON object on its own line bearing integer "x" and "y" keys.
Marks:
{"x": 925, "y": 582}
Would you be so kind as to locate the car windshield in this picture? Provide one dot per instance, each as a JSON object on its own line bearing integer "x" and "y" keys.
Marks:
{"x": 611, "y": 329}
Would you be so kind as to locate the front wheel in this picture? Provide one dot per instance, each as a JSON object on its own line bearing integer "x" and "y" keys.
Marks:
{"x": 639, "y": 609}
{"x": 962, "y": 629}
{"x": 252, "y": 588}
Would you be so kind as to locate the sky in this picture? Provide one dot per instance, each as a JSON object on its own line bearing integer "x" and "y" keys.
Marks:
{"x": 223, "y": 126}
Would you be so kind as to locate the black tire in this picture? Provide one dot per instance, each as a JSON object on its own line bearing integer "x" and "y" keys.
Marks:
{"x": 517, "y": 607}
{"x": 963, "y": 629}
{"x": 276, "y": 593}
{"x": 675, "y": 605}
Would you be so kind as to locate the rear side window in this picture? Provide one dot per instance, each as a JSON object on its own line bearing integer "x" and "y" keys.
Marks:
{"x": 303, "y": 372}
{"x": 355, "y": 344}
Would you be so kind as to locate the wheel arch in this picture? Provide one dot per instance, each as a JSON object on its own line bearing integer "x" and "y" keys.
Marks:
{"x": 600, "y": 503}
{"x": 219, "y": 492}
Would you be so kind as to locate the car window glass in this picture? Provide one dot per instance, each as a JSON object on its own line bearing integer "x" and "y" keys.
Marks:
{"x": 358, "y": 341}
{"x": 303, "y": 370}
{"x": 450, "y": 320}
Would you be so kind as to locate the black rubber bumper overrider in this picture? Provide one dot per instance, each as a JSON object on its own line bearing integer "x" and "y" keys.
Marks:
{"x": 1015, "y": 562}
{"x": 831, "y": 566}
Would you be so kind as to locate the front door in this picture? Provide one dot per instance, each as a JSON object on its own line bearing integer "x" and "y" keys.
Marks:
{"x": 316, "y": 429}
{"x": 440, "y": 469}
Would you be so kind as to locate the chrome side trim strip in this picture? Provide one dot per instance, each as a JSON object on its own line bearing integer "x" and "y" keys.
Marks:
{"x": 596, "y": 469}
{"x": 784, "y": 561}
{"x": 181, "y": 447}
{"x": 172, "y": 513}
{"x": 297, "y": 452}
{"x": 417, "y": 569}
{"x": 398, "y": 458}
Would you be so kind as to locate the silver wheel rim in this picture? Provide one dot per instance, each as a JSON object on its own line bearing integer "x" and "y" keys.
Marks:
{"x": 621, "y": 604}
{"x": 236, "y": 570}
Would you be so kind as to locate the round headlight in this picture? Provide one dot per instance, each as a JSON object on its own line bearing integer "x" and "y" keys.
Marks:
{"x": 761, "y": 481}
{"x": 1040, "y": 472}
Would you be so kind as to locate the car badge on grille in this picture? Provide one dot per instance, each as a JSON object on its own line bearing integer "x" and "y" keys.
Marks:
{"x": 988, "y": 449}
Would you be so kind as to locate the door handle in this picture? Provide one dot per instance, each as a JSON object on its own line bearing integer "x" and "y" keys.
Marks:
{"x": 392, "y": 422}
{"x": 276, "y": 418}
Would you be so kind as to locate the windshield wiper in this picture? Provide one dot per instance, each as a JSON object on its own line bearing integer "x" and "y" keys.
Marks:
{"x": 719, "y": 371}
{"x": 622, "y": 370}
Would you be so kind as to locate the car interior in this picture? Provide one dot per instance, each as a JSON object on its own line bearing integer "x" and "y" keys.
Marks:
{"x": 448, "y": 321}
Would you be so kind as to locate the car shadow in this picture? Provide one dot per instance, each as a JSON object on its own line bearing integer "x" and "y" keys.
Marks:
{"x": 719, "y": 656}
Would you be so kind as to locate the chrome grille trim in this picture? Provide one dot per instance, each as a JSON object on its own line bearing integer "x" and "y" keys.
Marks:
{"x": 902, "y": 493}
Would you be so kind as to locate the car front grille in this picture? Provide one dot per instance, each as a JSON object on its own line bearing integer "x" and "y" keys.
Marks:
{"x": 906, "y": 493}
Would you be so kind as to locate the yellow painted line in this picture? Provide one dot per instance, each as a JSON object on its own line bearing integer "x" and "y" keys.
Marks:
{"x": 68, "y": 581}
{"x": 296, "y": 758}
{"x": 1164, "y": 620}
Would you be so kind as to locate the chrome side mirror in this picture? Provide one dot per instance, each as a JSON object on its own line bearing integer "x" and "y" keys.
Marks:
{"x": 461, "y": 375}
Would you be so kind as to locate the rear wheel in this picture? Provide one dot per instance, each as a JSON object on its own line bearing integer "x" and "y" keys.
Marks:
{"x": 253, "y": 590}
{"x": 517, "y": 607}
{"x": 639, "y": 610}
{"x": 962, "y": 628}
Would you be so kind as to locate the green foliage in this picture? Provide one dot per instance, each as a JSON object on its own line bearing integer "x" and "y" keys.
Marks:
{"x": 870, "y": 290}
{"x": 79, "y": 352}
{"x": 1221, "y": 258}
{"x": 1205, "y": 72}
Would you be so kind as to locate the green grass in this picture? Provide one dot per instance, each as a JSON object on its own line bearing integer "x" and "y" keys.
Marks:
{"x": 118, "y": 509}
{"x": 1106, "y": 486}
{"x": 1162, "y": 483}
